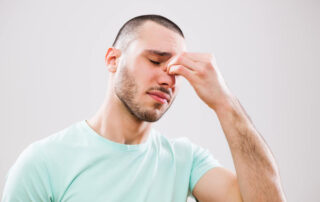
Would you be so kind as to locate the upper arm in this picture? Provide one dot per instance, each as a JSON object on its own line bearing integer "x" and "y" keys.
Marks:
{"x": 217, "y": 184}
{"x": 27, "y": 179}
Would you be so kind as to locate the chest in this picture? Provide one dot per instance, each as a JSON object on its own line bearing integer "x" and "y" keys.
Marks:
{"x": 159, "y": 176}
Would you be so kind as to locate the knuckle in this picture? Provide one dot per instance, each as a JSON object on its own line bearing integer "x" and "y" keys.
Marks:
{"x": 208, "y": 66}
{"x": 183, "y": 54}
{"x": 201, "y": 72}
{"x": 179, "y": 59}
{"x": 179, "y": 68}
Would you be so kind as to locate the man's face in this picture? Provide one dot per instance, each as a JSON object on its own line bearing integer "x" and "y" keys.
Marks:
{"x": 141, "y": 80}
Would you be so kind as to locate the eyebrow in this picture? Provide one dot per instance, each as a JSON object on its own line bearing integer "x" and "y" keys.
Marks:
{"x": 159, "y": 53}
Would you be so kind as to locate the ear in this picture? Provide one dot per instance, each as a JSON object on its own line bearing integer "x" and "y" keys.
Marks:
{"x": 111, "y": 59}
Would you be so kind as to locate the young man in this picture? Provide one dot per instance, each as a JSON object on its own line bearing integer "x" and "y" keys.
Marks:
{"x": 117, "y": 156}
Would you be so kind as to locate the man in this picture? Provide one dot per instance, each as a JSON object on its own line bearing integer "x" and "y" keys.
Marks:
{"x": 117, "y": 156}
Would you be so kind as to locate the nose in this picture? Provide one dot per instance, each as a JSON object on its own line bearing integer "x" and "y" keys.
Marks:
{"x": 165, "y": 79}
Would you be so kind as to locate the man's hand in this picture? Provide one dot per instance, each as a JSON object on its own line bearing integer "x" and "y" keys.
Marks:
{"x": 257, "y": 176}
{"x": 201, "y": 70}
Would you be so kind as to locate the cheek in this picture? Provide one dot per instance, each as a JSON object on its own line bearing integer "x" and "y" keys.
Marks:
{"x": 144, "y": 74}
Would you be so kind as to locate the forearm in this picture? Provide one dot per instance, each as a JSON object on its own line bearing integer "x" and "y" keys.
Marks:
{"x": 257, "y": 172}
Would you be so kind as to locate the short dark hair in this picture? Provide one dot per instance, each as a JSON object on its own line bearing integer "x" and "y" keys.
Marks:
{"x": 131, "y": 26}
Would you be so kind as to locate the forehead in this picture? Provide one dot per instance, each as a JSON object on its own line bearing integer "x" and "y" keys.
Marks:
{"x": 152, "y": 36}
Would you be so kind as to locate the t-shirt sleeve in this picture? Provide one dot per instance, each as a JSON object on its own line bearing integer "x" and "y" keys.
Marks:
{"x": 27, "y": 179}
{"x": 203, "y": 160}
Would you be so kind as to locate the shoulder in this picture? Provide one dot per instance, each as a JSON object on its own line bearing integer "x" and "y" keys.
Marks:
{"x": 65, "y": 135}
{"x": 36, "y": 153}
{"x": 176, "y": 144}
{"x": 30, "y": 157}
{"x": 182, "y": 147}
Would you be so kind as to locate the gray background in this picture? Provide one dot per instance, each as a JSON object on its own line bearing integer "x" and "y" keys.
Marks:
{"x": 53, "y": 74}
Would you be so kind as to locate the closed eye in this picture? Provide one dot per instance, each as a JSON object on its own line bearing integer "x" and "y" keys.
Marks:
{"x": 154, "y": 62}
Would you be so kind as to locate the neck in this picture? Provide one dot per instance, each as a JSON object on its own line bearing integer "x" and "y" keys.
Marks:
{"x": 114, "y": 122}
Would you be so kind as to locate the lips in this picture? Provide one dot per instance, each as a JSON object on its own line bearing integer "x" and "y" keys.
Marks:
{"x": 161, "y": 95}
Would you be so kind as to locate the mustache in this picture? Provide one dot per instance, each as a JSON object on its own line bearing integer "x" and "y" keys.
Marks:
{"x": 162, "y": 89}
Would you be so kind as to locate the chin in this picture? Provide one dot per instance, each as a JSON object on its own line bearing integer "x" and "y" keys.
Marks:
{"x": 152, "y": 115}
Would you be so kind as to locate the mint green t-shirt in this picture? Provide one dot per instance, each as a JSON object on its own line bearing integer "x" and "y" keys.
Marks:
{"x": 76, "y": 164}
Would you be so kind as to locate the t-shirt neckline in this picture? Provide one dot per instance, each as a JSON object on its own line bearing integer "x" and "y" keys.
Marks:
{"x": 116, "y": 145}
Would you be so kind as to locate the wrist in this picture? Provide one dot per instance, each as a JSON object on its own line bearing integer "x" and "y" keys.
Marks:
{"x": 233, "y": 112}
{"x": 228, "y": 105}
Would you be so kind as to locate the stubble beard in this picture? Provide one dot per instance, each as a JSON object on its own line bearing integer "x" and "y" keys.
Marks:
{"x": 126, "y": 88}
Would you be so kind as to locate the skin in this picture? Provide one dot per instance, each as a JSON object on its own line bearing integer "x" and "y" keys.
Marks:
{"x": 113, "y": 120}
{"x": 128, "y": 111}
